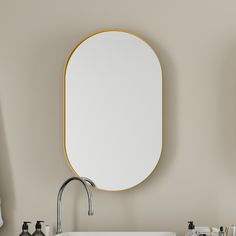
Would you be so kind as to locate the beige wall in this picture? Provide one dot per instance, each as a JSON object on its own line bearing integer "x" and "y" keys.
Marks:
{"x": 196, "y": 177}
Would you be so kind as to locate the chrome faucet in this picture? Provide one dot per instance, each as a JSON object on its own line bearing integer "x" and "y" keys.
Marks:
{"x": 84, "y": 181}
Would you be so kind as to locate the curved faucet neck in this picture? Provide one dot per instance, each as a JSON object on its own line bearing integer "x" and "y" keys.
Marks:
{"x": 84, "y": 181}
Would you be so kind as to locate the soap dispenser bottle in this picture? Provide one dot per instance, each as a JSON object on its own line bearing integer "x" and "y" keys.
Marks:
{"x": 38, "y": 228}
{"x": 191, "y": 229}
{"x": 25, "y": 228}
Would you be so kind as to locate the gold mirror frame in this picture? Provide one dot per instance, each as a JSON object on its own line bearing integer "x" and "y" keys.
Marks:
{"x": 64, "y": 102}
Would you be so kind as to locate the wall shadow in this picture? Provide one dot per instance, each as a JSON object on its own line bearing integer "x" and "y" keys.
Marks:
{"x": 7, "y": 194}
{"x": 170, "y": 112}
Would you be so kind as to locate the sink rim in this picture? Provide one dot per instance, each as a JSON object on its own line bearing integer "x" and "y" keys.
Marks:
{"x": 117, "y": 232}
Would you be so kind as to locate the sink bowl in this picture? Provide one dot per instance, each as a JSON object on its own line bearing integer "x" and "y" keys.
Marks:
{"x": 117, "y": 234}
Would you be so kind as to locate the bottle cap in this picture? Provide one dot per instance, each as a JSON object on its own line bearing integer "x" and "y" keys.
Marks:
{"x": 38, "y": 224}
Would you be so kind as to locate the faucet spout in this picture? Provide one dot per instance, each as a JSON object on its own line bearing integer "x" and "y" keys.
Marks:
{"x": 90, "y": 203}
{"x": 85, "y": 182}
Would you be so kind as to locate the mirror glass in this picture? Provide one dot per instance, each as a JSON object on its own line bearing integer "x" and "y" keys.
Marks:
{"x": 113, "y": 109}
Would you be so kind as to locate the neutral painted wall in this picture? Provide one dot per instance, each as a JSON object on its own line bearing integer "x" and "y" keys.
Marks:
{"x": 196, "y": 177}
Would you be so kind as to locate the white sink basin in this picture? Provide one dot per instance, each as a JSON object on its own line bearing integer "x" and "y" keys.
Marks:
{"x": 117, "y": 234}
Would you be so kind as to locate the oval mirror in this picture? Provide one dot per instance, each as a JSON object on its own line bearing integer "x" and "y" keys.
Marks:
{"x": 113, "y": 109}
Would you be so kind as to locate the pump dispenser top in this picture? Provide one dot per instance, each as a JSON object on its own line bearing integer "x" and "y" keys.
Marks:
{"x": 38, "y": 228}
{"x": 25, "y": 228}
{"x": 191, "y": 225}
